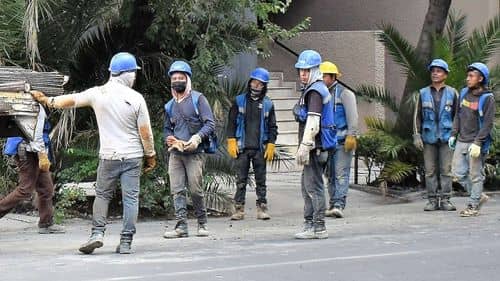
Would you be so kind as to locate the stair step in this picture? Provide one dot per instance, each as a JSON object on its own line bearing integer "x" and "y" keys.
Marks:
{"x": 285, "y": 104}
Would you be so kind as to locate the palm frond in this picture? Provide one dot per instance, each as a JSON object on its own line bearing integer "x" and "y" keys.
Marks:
{"x": 35, "y": 11}
{"x": 495, "y": 78}
{"x": 378, "y": 124}
{"x": 483, "y": 43}
{"x": 455, "y": 31}
{"x": 396, "y": 171}
{"x": 403, "y": 54}
{"x": 378, "y": 94}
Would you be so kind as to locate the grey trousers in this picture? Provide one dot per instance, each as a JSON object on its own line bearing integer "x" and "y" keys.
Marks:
{"x": 437, "y": 163}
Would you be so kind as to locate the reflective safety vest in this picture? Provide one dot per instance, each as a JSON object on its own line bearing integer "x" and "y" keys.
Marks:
{"x": 340, "y": 114}
{"x": 241, "y": 102}
{"x": 485, "y": 147}
{"x": 328, "y": 132}
{"x": 434, "y": 130}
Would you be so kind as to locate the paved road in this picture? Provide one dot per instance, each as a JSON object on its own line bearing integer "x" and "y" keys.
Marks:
{"x": 379, "y": 240}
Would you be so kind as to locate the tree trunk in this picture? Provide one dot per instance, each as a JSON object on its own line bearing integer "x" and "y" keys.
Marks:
{"x": 434, "y": 23}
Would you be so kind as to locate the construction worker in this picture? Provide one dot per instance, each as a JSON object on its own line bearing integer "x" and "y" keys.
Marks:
{"x": 433, "y": 122}
{"x": 188, "y": 121}
{"x": 314, "y": 112}
{"x": 252, "y": 133}
{"x": 125, "y": 137}
{"x": 33, "y": 164}
{"x": 471, "y": 135}
{"x": 346, "y": 121}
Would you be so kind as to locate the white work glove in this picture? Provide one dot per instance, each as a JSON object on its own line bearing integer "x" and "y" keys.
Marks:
{"x": 303, "y": 152}
{"x": 193, "y": 143}
{"x": 474, "y": 150}
{"x": 417, "y": 142}
{"x": 452, "y": 142}
{"x": 310, "y": 132}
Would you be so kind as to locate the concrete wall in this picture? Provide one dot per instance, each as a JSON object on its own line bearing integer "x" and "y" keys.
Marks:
{"x": 355, "y": 15}
{"x": 357, "y": 54}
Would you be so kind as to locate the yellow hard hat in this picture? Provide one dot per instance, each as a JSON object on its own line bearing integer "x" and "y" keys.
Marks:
{"x": 329, "y": 68}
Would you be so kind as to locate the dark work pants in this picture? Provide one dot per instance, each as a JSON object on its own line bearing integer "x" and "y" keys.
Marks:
{"x": 256, "y": 157}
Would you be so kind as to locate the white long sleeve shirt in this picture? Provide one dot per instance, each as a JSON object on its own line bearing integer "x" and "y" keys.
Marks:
{"x": 122, "y": 116}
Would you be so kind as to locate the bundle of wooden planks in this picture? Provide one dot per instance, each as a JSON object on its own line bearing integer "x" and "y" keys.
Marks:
{"x": 50, "y": 83}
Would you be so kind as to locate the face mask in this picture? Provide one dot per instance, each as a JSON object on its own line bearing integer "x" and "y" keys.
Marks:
{"x": 179, "y": 86}
{"x": 255, "y": 93}
{"x": 127, "y": 78}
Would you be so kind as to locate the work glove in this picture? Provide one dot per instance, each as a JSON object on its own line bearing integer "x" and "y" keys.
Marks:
{"x": 40, "y": 97}
{"x": 350, "y": 143}
{"x": 232, "y": 148}
{"x": 43, "y": 162}
{"x": 177, "y": 145}
{"x": 269, "y": 153}
{"x": 302, "y": 156}
{"x": 150, "y": 163}
{"x": 193, "y": 143}
{"x": 474, "y": 150}
{"x": 452, "y": 142}
{"x": 417, "y": 142}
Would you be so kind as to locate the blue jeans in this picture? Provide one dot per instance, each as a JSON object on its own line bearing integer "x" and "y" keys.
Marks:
{"x": 338, "y": 183}
{"x": 469, "y": 171}
{"x": 186, "y": 171}
{"x": 313, "y": 189}
{"x": 128, "y": 171}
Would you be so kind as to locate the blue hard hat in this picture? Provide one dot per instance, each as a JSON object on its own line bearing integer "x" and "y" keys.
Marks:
{"x": 439, "y": 63}
{"x": 260, "y": 74}
{"x": 180, "y": 66}
{"x": 122, "y": 62}
{"x": 481, "y": 67}
{"x": 308, "y": 59}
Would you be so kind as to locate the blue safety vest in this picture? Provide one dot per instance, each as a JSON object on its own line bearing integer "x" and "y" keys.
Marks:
{"x": 328, "y": 132}
{"x": 12, "y": 143}
{"x": 434, "y": 130}
{"x": 241, "y": 102}
{"x": 340, "y": 114}
{"x": 482, "y": 100}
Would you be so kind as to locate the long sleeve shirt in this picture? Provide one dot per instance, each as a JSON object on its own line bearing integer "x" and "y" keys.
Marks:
{"x": 466, "y": 125}
{"x": 38, "y": 144}
{"x": 348, "y": 100}
{"x": 122, "y": 116}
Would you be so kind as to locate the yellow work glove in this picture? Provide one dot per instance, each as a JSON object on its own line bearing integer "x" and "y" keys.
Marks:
{"x": 350, "y": 143}
{"x": 232, "y": 147}
{"x": 150, "y": 163}
{"x": 474, "y": 150}
{"x": 269, "y": 153}
{"x": 39, "y": 97}
{"x": 43, "y": 162}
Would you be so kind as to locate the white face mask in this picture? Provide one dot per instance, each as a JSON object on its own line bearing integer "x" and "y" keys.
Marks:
{"x": 128, "y": 78}
{"x": 125, "y": 78}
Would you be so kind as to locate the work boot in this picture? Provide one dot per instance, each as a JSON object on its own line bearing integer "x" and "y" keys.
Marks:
{"x": 307, "y": 231}
{"x": 239, "y": 213}
{"x": 483, "y": 199}
{"x": 51, "y": 229}
{"x": 470, "y": 211}
{"x": 432, "y": 205}
{"x": 125, "y": 245}
{"x": 202, "y": 230}
{"x": 320, "y": 231}
{"x": 446, "y": 205}
{"x": 95, "y": 241}
{"x": 262, "y": 212}
{"x": 180, "y": 230}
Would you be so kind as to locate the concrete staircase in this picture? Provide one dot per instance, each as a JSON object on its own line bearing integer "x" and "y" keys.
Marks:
{"x": 284, "y": 96}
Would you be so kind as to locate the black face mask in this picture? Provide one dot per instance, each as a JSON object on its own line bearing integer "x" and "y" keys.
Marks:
{"x": 179, "y": 86}
{"x": 255, "y": 93}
